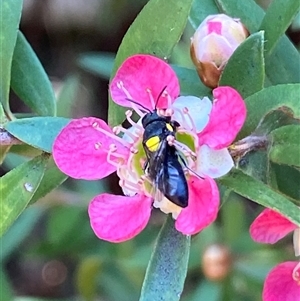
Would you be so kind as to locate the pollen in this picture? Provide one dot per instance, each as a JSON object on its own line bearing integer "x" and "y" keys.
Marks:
{"x": 168, "y": 207}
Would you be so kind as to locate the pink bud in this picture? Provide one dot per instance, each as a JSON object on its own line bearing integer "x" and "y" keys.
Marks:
{"x": 213, "y": 43}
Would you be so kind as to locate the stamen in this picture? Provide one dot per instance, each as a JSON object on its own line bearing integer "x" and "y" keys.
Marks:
{"x": 112, "y": 152}
{"x": 118, "y": 129}
{"x": 128, "y": 114}
{"x": 183, "y": 119}
{"x": 151, "y": 97}
{"x": 120, "y": 85}
{"x": 96, "y": 126}
{"x": 169, "y": 112}
{"x": 296, "y": 273}
{"x": 186, "y": 112}
{"x": 183, "y": 148}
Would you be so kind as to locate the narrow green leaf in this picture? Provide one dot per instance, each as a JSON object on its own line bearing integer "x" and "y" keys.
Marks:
{"x": 285, "y": 145}
{"x": 200, "y": 10}
{"x": 283, "y": 65}
{"x": 67, "y": 96}
{"x": 6, "y": 290}
{"x": 10, "y": 14}
{"x": 271, "y": 98}
{"x": 233, "y": 228}
{"x": 30, "y": 81}
{"x": 190, "y": 83}
{"x": 98, "y": 63}
{"x": 288, "y": 181}
{"x": 17, "y": 187}
{"x": 277, "y": 19}
{"x": 167, "y": 268}
{"x": 38, "y": 132}
{"x": 247, "y": 63}
{"x": 260, "y": 193}
{"x": 275, "y": 119}
{"x": 87, "y": 273}
{"x": 256, "y": 165}
{"x": 3, "y": 151}
{"x": 155, "y": 39}
{"x": 207, "y": 290}
{"x": 19, "y": 231}
{"x": 53, "y": 177}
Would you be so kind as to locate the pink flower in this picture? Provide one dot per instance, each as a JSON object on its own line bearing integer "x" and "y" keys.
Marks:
{"x": 213, "y": 43}
{"x": 88, "y": 148}
{"x": 283, "y": 281}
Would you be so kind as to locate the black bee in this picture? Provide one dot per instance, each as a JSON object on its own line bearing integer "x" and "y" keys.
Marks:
{"x": 162, "y": 165}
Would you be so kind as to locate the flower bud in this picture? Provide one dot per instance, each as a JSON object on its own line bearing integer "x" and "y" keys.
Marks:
{"x": 216, "y": 262}
{"x": 213, "y": 43}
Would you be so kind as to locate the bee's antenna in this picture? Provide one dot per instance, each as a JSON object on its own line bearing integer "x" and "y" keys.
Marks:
{"x": 159, "y": 95}
{"x": 146, "y": 109}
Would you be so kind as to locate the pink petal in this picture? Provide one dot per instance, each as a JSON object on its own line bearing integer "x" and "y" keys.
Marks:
{"x": 77, "y": 151}
{"x": 280, "y": 285}
{"x": 118, "y": 218}
{"x": 214, "y": 26}
{"x": 226, "y": 118}
{"x": 141, "y": 74}
{"x": 203, "y": 206}
{"x": 270, "y": 226}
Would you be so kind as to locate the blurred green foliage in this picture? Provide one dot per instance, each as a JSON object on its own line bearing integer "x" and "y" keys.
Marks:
{"x": 56, "y": 226}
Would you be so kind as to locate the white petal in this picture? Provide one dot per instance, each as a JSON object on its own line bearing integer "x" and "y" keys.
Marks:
{"x": 213, "y": 163}
{"x": 199, "y": 110}
{"x": 296, "y": 241}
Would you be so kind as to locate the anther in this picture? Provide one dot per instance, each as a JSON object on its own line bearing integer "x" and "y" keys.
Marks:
{"x": 98, "y": 145}
{"x": 169, "y": 112}
{"x": 134, "y": 150}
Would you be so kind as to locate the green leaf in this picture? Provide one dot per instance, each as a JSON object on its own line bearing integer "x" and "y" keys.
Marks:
{"x": 233, "y": 228}
{"x": 167, "y": 268}
{"x": 3, "y": 151}
{"x": 288, "y": 181}
{"x": 19, "y": 231}
{"x": 147, "y": 35}
{"x": 6, "y": 291}
{"x": 207, "y": 291}
{"x": 67, "y": 96}
{"x": 277, "y": 19}
{"x": 256, "y": 165}
{"x": 17, "y": 187}
{"x": 30, "y": 81}
{"x": 260, "y": 193}
{"x": 246, "y": 63}
{"x": 271, "y": 98}
{"x": 98, "y": 63}
{"x": 10, "y": 12}
{"x": 285, "y": 145}
{"x": 38, "y": 132}
{"x": 87, "y": 273}
{"x": 190, "y": 83}
{"x": 283, "y": 65}
{"x": 53, "y": 177}
{"x": 275, "y": 119}
{"x": 200, "y": 10}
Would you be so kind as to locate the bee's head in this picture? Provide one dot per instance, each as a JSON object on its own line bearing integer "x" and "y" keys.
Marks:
{"x": 153, "y": 116}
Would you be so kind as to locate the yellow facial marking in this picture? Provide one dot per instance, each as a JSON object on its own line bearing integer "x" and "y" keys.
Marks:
{"x": 169, "y": 127}
{"x": 153, "y": 143}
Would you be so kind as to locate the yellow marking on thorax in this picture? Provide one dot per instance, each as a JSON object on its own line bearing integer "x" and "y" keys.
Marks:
{"x": 169, "y": 127}
{"x": 153, "y": 143}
